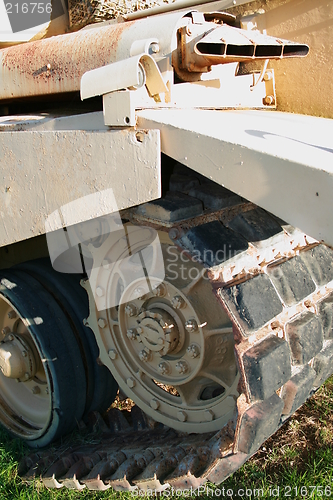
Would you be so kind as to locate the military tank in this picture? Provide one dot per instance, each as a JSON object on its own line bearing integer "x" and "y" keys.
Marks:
{"x": 165, "y": 232}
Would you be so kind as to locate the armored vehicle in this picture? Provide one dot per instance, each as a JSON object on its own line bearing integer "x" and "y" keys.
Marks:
{"x": 165, "y": 234}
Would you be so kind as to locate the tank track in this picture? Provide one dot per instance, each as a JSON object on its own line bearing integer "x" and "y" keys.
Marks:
{"x": 276, "y": 285}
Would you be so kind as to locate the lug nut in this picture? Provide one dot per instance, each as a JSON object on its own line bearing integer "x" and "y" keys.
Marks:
{"x": 24, "y": 354}
{"x": 131, "y": 334}
{"x": 5, "y": 330}
{"x": 191, "y": 326}
{"x": 36, "y": 390}
{"x": 181, "y": 367}
{"x": 193, "y": 351}
{"x": 12, "y": 314}
{"x": 182, "y": 416}
{"x": 101, "y": 323}
{"x": 178, "y": 302}
{"x": 11, "y": 337}
{"x": 130, "y": 310}
{"x": 112, "y": 354}
{"x": 163, "y": 368}
{"x": 144, "y": 356}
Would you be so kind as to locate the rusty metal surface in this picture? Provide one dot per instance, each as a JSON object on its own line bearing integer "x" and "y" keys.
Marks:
{"x": 57, "y": 64}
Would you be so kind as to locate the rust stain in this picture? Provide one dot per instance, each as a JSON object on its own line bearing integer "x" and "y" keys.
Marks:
{"x": 57, "y": 64}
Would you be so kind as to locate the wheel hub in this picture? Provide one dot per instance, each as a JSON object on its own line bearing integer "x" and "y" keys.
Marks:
{"x": 17, "y": 359}
{"x": 158, "y": 331}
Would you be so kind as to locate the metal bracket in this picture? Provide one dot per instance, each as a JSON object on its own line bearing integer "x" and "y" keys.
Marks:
{"x": 116, "y": 83}
{"x": 130, "y": 73}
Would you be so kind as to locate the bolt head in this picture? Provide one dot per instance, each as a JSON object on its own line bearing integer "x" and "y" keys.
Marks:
{"x": 26, "y": 376}
{"x": 191, "y": 326}
{"x": 178, "y": 302}
{"x": 209, "y": 415}
{"x": 163, "y": 368}
{"x": 35, "y": 390}
{"x": 130, "y": 382}
{"x": 106, "y": 264}
{"x": 182, "y": 367}
{"x": 112, "y": 354}
{"x": 101, "y": 323}
{"x": 11, "y": 337}
{"x": 268, "y": 100}
{"x": 139, "y": 292}
{"x": 154, "y": 404}
{"x": 159, "y": 291}
{"x": 5, "y": 330}
{"x": 24, "y": 354}
{"x": 173, "y": 233}
{"x": 144, "y": 356}
{"x": 12, "y": 314}
{"x": 267, "y": 77}
{"x": 193, "y": 351}
{"x": 130, "y": 310}
{"x": 155, "y": 48}
{"x": 182, "y": 416}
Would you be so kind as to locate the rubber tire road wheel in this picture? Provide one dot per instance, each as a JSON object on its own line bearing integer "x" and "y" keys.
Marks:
{"x": 58, "y": 349}
{"x": 73, "y": 300}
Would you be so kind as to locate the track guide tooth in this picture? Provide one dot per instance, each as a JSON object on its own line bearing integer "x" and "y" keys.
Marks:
{"x": 186, "y": 474}
{"x": 158, "y": 469}
{"x": 121, "y": 480}
{"x": 57, "y": 470}
{"x": 95, "y": 480}
{"x": 81, "y": 469}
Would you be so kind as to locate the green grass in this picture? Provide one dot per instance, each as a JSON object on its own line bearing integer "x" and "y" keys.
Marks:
{"x": 298, "y": 460}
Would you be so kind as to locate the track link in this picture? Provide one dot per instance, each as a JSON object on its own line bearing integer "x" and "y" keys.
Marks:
{"x": 276, "y": 285}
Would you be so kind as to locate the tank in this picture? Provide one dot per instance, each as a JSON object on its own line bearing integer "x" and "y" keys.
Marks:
{"x": 165, "y": 236}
